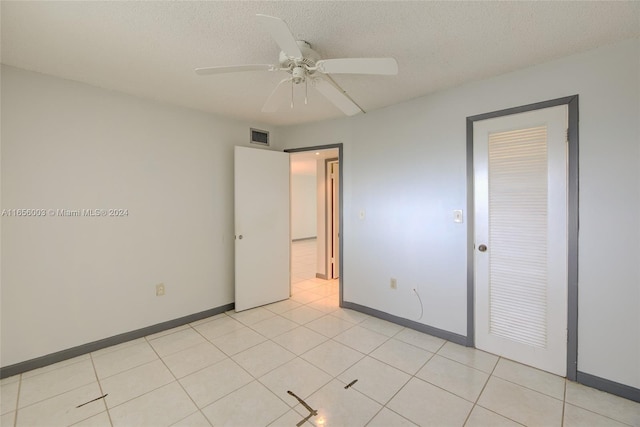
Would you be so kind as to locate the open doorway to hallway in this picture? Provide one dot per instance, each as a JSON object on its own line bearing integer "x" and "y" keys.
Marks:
{"x": 314, "y": 217}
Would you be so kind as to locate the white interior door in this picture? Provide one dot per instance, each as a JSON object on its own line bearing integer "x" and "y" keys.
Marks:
{"x": 262, "y": 261}
{"x": 520, "y": 172}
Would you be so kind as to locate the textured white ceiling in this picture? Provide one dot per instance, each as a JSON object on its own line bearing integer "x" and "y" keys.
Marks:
{"x": 150, "y": 49}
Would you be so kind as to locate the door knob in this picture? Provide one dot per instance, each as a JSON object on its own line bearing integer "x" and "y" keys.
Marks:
{"x": 240, "y": 237}
{"x": 482, "y": 248}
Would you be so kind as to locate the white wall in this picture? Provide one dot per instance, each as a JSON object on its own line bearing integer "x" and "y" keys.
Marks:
{"x": 69, "y": 281}
{"x": 303, "y": 206}
{"x": 406, "y": 167}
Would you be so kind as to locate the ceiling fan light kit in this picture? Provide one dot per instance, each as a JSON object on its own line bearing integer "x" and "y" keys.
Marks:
{"x": 306, "y": 66}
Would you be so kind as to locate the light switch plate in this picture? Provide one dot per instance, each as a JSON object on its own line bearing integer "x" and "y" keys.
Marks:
{"x": 457, "y": 216}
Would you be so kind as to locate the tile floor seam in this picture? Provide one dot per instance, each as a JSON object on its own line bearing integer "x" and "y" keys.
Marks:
{"x": 145, "y": 393}
{"x": 272, "y": 392}
{"x": 54, "y": 395}
{"x": 350, "y": 366}
{"x": 599, "y": 414}
{"x": 192, "y": 414}
{"x": 390, "y": 336}
{"x": 498, "y": 414}
{"x": 95, "y": 372}
{"x": 391, "y": 366}
{"x": 391, "y": 410}
{"x": 179, "y": 328}
{"x": 484, "y": 386}
{"x": 140, "y": 395}
{"x": 175, "y": 379}
{"x": 130, "y": 369}
{"x": 178, "y": 351}
{"x": 54, "y": 369}
{"x": 381, "y": 344}
{"x": 15, "y": 414}
{"x": 224, "y": 335}
{"x": 528, "y": 388}
{"x": 316, "y": 346}
{"x": 331, "y": 378}
{"x": 398, "y": 391}
{"x": 210, "y": 342}
{"x": 232, "y": 391}
{"x": 466, "y": 364}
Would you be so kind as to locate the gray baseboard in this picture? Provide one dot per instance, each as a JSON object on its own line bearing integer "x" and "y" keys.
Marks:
{"x": 589, "y": 380}
{"x": 59, "y": 356}
{"x": 440, "y": 333}
{"x": 609, "y": 386}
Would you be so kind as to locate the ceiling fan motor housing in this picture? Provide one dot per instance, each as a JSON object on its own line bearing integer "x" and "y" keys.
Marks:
{"x": 309, "y": 59}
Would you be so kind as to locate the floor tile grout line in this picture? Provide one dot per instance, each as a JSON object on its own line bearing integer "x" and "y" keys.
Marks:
{"x": 146, "y": 392}
{"x": 410, "y": 378}
{"x": 463, "y": 364}
{"x": 15, "y": 415}
{"x": 254, "y": 379}
{"x": 121, "y": 346}
{"x": 528, "y": 388}
{"x": 484, "y": 386}
{"x": 95, "y": 373}
{"x": 53, "y": 396}
{"x": 391, "y": 410}
{"x": 466, "y": 364}
{"x": 181, "y": 386}
{"x": 64, "y": 364}
{"x": 599, "y": 414}
{"x": 132, "y": 367}
{"x": 443, "y": 389}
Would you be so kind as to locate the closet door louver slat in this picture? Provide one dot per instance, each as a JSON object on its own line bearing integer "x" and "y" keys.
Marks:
{"x": 518, "y": 182}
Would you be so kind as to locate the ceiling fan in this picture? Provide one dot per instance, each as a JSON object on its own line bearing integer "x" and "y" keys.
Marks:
{"x": 305, "y": 66}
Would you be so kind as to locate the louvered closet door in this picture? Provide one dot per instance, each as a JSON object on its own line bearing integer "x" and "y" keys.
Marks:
{"x": 520, "y": 171}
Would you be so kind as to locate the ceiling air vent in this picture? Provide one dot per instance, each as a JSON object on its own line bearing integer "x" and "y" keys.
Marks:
{"x": 260, "y": 137}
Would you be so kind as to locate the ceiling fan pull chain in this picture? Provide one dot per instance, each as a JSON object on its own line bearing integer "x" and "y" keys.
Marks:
{"x": 292, "y": 94}
{"x": 306, "y": 90}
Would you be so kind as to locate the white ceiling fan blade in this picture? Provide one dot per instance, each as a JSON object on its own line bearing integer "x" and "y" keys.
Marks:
{"x": 336, "y": 96}
{"x": 281, "y": 34}
{"x": 381, "y": 66}
{"x": 235, "y": 69}
{"x": 277, "y": 97}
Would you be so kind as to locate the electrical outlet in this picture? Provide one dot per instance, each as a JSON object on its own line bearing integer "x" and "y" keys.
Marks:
{"x": 160, "y": 289}
{"x": 394, "y": 283}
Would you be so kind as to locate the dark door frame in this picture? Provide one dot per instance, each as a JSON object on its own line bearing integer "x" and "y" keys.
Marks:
{"x": 572, "y": 223}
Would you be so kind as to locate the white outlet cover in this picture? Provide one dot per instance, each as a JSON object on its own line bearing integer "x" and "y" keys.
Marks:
{"x": 362, "y": 214}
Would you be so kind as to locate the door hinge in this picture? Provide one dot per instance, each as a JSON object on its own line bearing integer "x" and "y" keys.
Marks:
{"x": 333, "y": 260}
{"x": 567, "y": 136}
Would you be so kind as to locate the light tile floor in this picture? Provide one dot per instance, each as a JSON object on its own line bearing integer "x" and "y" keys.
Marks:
{"x": 236, "y": 368}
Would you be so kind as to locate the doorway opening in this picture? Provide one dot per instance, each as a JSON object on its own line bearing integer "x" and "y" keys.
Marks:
{"x": 316, "y": 216}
